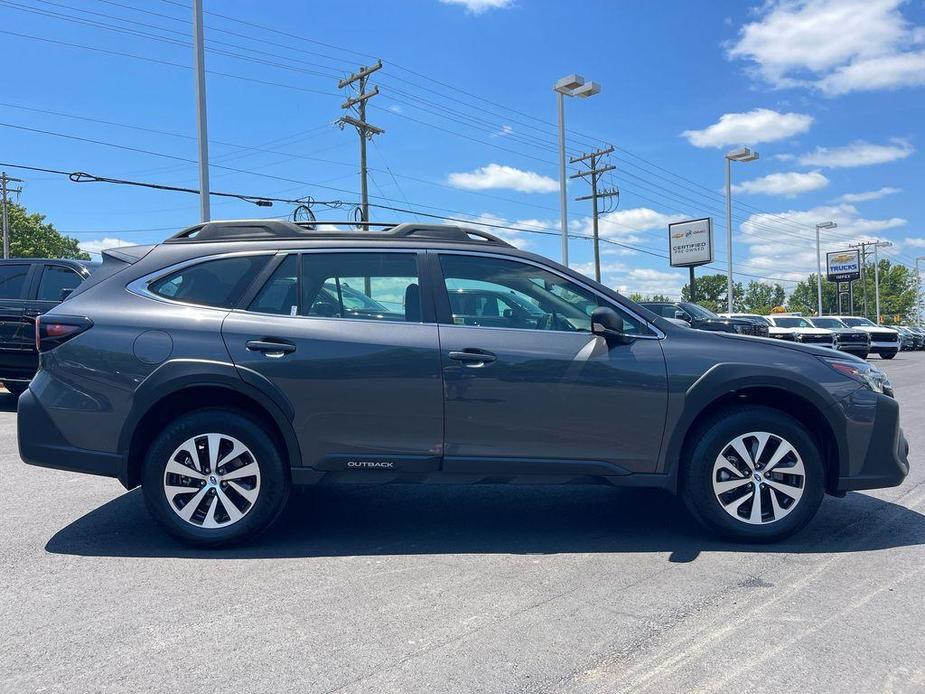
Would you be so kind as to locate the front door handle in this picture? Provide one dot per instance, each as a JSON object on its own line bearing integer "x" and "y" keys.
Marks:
{"x": 272, "y": 348}
{"x": 473, "y": 357}
{"x": 33, "y": 312}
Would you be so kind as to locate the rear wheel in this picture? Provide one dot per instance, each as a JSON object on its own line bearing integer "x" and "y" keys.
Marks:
{"x": 753, "y": 475}
{"x": 15, "y": 389}
{"x": 213, "y": 477}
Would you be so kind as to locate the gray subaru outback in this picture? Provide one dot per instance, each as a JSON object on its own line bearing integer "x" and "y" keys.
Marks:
{"x": 237, "y": 359}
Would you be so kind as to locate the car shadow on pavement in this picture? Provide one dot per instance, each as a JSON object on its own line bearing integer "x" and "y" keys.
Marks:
{"x": 406, "y": 520}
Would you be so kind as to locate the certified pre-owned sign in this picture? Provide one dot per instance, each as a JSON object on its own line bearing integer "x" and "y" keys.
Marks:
{"x": 843, "y": 266}
{"x": 690, "y": 243}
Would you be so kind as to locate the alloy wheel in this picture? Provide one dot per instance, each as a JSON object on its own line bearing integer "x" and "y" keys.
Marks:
{"x": 758, "y": 478}
{"x": 212, "y": 480}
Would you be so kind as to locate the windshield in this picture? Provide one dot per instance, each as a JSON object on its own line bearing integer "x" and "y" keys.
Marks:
{"x": 792, "y": 322}
{"x": 699, "y": 311}
{"x": 855, "y": 322}
{"x": 828, "y": 323}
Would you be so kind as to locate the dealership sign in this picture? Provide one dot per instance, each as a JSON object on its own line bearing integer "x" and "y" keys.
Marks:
{"x": 843, "y": 266}
{"x": 690, "y": 243}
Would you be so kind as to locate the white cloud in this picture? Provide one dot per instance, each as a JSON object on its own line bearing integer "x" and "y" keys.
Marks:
{"x": 775, "y": 248}
{"x": 752, "y": 127}
{"x": 789, "y": 184}
{"x": 395, "y": 108}
{"x": 515, "y": 232}
{"x": 914, "y": 243}
{"x": 648, "y": 282}
{"x": 626, "y": 225}
{"x": 480, "y": 6}
{"x": 94, "y": 247}
{"x": 858, "y": 153}
{"x": 498, "y": 176}
{"x": 503, "y": 131}
{"x": 870, "y": 195}
{"x": 784, "y": 157}
{"x": 834, "y": 46}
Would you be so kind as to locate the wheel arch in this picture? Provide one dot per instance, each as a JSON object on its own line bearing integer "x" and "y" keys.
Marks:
{"x": 179, "y": 387}
{"x": 711, "y": 396}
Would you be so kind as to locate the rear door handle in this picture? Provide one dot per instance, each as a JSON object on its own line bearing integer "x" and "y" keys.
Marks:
{"x": 473, "y": 357}
{"x": 271, "y": 348}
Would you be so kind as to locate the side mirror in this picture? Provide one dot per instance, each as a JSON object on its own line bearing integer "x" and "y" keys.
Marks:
{"x": 606, "y": 323}
{"x": 681, "y": 315}
{"x": 65, "y": 293}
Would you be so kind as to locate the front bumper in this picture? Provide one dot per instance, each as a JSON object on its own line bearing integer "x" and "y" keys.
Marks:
{"x": 885, "y": 462}
{"x": 43, "y": 445}
{"x": 877, "y": 346}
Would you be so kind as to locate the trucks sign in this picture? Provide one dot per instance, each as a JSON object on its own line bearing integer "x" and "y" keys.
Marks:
{"x": 690, "y": 243}
{"x": 843, "y": 266}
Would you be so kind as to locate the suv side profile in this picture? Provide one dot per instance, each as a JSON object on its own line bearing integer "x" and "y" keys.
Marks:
{"x": 213, "y": 370}
{"x": 28, "y": 288}
{"x": 701, "y": 318}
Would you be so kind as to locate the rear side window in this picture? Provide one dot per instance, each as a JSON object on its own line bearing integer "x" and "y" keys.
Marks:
{"x": 370, "y": 286}
{"x": 55, "y": 280}
{"x": 217, "y": 283}
{"x": 12, "y": 279}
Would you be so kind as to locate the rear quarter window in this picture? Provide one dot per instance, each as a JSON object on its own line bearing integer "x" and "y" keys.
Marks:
{"x": 13, "y": 280}
{"x": 218, "y": 283}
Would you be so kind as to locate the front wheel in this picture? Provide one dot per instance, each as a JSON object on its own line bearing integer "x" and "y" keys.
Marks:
{"x": 887, "y": 355}
{"x": 214, "y": 477}
{"x": 753, "y": 475}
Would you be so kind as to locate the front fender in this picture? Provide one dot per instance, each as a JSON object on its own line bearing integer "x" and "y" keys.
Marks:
{"x": 686, "y": 405}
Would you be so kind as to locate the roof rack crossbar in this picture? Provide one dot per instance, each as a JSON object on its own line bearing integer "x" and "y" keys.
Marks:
{"x": 267, "y": 229}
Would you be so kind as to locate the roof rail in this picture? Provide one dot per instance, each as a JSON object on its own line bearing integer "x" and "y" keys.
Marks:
{"x": 274, "y": 229}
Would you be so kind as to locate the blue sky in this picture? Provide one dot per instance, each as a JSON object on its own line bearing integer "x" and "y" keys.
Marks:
{"x": 830, "y": 92}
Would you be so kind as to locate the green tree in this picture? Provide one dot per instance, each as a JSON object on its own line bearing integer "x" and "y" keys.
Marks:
{"x": 32, "y": 237}
{"x": 711, "y": 293}
{"x": 761, "y": 297}
{"x": 897, "y": 294}
{"x": 638, "y": 297}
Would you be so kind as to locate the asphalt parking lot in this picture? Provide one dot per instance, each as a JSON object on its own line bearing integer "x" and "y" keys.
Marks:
{"x": 426, "y": 589}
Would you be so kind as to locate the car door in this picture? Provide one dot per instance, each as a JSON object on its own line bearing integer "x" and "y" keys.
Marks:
{"x": 16, "y": 336}
{"x": 55, "y": 283}
{"x": 545, "y": 396}
{"x": 347, "y": 339}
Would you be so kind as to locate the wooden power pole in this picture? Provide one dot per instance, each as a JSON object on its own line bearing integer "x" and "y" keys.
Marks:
{"x": 364, "y": 129}
{"x": 595, "y": 171}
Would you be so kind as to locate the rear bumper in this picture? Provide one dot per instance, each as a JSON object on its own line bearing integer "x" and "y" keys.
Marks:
{"x": 886, "y": 461}
{"x": 42, "y": 444}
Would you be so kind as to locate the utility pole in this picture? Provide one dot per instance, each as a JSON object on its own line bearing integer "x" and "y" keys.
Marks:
{"x": 199, "y": 63}
{"x": 4, "y": 183}
{"x": 364, "y": 129}
{"x": 595, "y": 170}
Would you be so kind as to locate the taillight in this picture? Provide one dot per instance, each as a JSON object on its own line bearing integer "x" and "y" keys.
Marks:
{"x": 51, "y": 330}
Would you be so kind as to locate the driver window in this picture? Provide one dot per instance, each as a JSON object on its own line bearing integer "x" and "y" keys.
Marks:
{"x": 497, "y": 293}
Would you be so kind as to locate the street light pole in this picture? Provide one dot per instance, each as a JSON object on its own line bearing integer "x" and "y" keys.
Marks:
{"x": 743, "y": 154}
{"x": 918, "y": 291}
{"x": 821, "y": 225}
{"x": 878, "y": 245}
{"x": 563, "y": 193}
{"x": 201, "y": 120}
{"x": 570, "y": 85}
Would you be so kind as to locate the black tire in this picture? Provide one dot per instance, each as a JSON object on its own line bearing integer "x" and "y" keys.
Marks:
{"x": 15, "y": 389}
{"x": 887, "y": 355}
{"x": 712, "y": 437}
{"x": 274, "y": 477}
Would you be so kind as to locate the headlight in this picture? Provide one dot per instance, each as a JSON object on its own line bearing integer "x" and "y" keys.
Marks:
{"x": 870, "y": 376}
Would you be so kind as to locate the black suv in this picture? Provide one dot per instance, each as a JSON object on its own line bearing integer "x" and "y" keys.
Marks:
{"x": 28, "y": 288}
{"x": 703, "y": 319}
{"x": 213, "y": 371}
